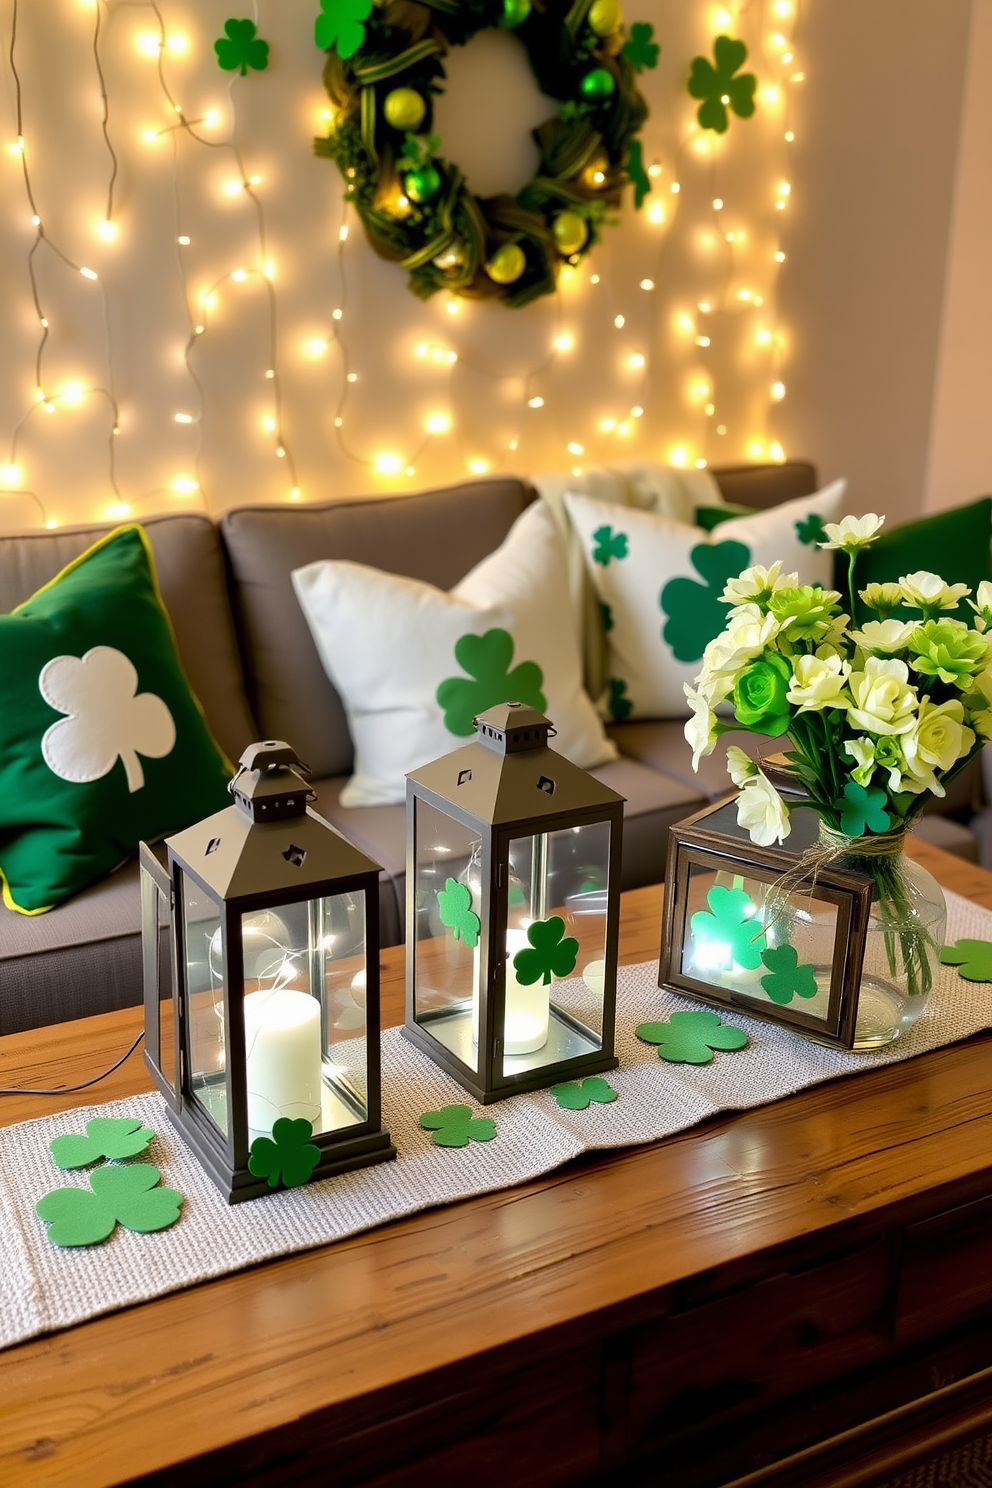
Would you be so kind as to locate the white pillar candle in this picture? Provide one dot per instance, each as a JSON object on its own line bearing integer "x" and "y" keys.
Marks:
{"x": 528, "y": 1009}
{"x": 283, "y": 1054}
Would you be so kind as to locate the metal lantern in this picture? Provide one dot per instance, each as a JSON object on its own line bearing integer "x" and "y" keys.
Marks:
{"x": 261, "y": 982}
{"x": 513, "y": 903}
{"x": 748, "y": 927}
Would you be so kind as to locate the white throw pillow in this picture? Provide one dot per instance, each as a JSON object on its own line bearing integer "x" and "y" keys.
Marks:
{"x": 506, "y": 633}
{"x": 659, "y": 583}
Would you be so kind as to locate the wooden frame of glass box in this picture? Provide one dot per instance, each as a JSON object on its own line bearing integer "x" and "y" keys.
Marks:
{"x": 711, "y": 843}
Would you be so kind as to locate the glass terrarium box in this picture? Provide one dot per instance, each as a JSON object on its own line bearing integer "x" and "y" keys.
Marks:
{"x": 261, "y": 964}
{"x": 743, "y": 928}
{"x": 512, "y": 910}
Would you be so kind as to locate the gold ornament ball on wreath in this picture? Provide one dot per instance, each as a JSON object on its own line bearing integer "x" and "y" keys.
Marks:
{"x": 570, "y": 232}
{"x": 598, "y": 84}
{"x": 404, "y": 108}
{"x": 506, "y": 264}
{"x": 605, "y": 17}
{"x": 515, "y": 12}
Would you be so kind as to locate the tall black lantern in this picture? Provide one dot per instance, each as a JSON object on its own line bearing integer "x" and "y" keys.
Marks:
{"x": 261, "y": 981}
{"x": 513, "y": 906}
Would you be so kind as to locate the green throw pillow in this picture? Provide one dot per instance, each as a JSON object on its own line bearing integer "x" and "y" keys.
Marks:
{"x": 102, "y": 744}
{"x": 708, "y": 517}
{"x": 954, "y": 544}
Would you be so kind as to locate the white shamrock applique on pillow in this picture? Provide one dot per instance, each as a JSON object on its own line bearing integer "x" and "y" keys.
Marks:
{"x": 108, "y": 718}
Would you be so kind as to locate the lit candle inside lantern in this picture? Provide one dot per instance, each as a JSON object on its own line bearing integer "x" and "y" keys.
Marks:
{"x": 527, "y": 1009}
{"x": 283, "y": 1053}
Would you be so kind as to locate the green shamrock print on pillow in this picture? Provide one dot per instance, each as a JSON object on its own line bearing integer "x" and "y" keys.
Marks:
{"x": 620, "y": 705}
{"x": 608, "y": 545}
{"x": 810, "y": 530}
{"x": 695, "y": 614}
{"x": 487, "y": 659}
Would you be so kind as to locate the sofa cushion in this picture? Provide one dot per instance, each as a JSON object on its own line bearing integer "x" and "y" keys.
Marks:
{"x": 765, "y": 485}
{"x": 661, "y": 745}
{"x": 189, "y": 564}
{"x": 954, "y": 543}
{"x": 436, "y": 536}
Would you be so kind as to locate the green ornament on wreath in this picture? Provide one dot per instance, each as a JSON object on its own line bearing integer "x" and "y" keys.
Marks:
{"x": 385, "y": 64}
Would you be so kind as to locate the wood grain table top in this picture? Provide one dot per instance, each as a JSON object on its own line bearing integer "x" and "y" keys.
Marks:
{"x": 555, "y": 1262}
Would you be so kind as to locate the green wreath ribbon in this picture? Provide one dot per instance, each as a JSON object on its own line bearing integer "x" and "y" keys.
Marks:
{"x": 426, "y": 219}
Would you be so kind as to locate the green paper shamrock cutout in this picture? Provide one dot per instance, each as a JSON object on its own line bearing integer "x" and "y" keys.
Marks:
{"x": 619, "y": 704}
{"x": 242, "y": 48}
{"x": 454, "y": 904}
{"x": 577, "y": 1095}
{"x": 487, "y": 660}
{"x": 106, "y": 1136}
{"x": 340, "y": 25}
{"x": 126, "y": 1196}
{"x": 862, "y": 809}
{"x": 730, "y": 923}
{"x": 691, "y": 1037}
{"x": 695, "y": 613}
{"x": 786, "y": 978}
{"x": 608, "y": 545}
{"x": 641, "y": 52}
{"x": 606, "y": 614}
{"x": 550, "y": 952}
{"x": 455, "y": 1126}
{"x": 288, "y": 1154}
{"x": 714, "y": 84}
{"x": 973, "y": 959}
{"x": 636, "y": 174}
{"x": 810, "y": 530}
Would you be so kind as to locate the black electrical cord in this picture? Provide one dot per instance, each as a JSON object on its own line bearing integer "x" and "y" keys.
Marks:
{"x": 70, "y": 1089}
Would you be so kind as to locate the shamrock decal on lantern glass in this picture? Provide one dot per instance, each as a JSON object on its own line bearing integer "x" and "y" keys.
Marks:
{"x": 108, "y": 718}
{"x": 973, "y": 959}
{"x": 241, "y": 47}
{"x": 728, "y": 930}
{"x": 785, "y": 978}
{"x": 126, "y": 1196}
{"x": 719, "y": 88}
{"x": 810, "y": 529}
{"x": 455, "y": 1126}
{"x": 487, "y": 659}
{"x": 550, "y": 953}
{"x": 641, "y": 52}
{"x": 619, "y": 704}
{"x": 691, "y": 1037}
{"x": 341, "y": 25}
{"x": 578, "y": 1095}
{"x": 454, "y": 904}
{"x": 608, "y": 545}
{"x": 695, "y": 614}
{"x": 862, "y": 810}
{"x": 288, "y": 1155}
{"x": 106, "y": 1136}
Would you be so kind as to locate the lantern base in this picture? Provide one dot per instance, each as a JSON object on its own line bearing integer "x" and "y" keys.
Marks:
{"x": 237, "y": 1184}
{"x": 441, "y": 1041}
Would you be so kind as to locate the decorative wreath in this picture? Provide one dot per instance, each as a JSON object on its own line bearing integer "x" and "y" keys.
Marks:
{"x": 385, "y": 64}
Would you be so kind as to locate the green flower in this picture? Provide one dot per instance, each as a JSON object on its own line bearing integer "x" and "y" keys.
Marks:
{"x": 785, "y": 978}
{"x": 948, "y": 650}
{"x": 718, "y": 86}
{"x": 696, "y": 613}
{"x": 883, "y": 598}
{"x": 761, "y": 701}
{"x": 806, "y": 613}
{"x": 288, "y": 1154}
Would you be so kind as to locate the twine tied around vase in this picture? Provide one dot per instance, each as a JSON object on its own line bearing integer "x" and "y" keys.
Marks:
{"x": 831, "y": 846}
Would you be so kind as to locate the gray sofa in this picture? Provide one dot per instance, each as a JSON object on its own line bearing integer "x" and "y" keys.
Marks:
{"x": 250, "y": 659}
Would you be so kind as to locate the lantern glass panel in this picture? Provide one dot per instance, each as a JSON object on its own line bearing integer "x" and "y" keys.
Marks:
{"x": 304, "y": 1013}
{"x": 446, "y": 965}
{"x": 203, "y": 988}
{"x": 156, "y": 932}
{"x": 558, "y": 1014}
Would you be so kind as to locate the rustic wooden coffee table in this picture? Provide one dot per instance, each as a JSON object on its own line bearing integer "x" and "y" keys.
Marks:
{"x": 800, "y": 1294}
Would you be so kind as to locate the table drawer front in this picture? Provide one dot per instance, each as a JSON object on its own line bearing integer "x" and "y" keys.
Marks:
{"x": 946, "y": 1274}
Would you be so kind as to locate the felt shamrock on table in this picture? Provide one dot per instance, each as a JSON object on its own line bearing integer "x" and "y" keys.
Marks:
{"x": 619, "y": 704}
{"x": 719, "y": 88}
{"x": 106, "y": 1136}
{"x": 288, "y": 1155}
{"x": 862, "y": 810}
{"x": 454, "y": 904}
{"x": 810, "y": 530}
{"x": 636, "y": 174}
{"x": 608, "y": 545}
{"x": 786, "y": 978}
{"x": 487, "y": 659}
{"x": 973, "y": 959}
{"x": 108, "y": 718}
{"x": 729, "y": 924}
{"x": 455, "y": 1126}
{"x": 695, "y": 614}
{"x": 577, "y": 1095}
{"x": 341, "y": 25}
{"x": 550, "y": 953}
{"x": 641, "y": 52}
{"x": 126, "y": 1196}
{"x": 242, "y": 48}
{"x": 691, "y": 1037}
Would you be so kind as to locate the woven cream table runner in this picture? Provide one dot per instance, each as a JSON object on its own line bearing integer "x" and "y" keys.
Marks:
{"x": 43, "y": 1287}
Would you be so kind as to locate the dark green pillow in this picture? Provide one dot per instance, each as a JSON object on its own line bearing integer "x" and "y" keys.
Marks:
{"x": 708, "y": 517}
{"x": 954, "y": 544}
{"x": 102, "y": 744}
